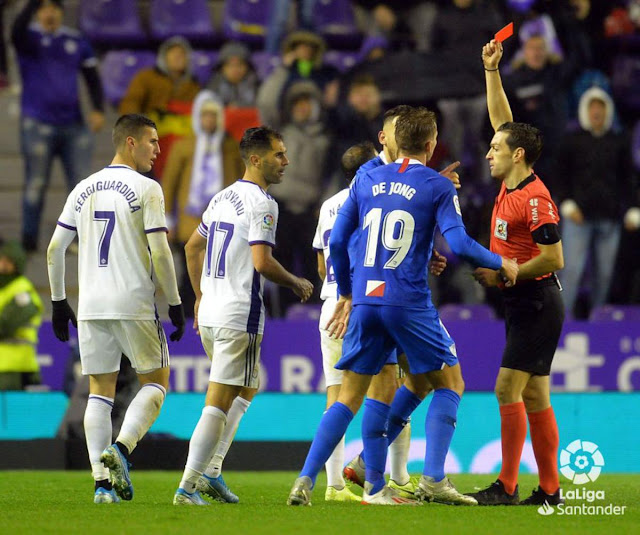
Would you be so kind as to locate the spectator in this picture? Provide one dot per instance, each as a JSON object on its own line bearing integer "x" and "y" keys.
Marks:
{"x": 302, "y": 59}
{"x": 280, "y": 18}
{"x": 235, "y": 80}
{"x": 393, "y": 27}
{"x": 594, "y": 181}
{"x": 198, "y": 167}
{"x": 50, "y": 57}
{"x": 460, "y": 30}
{"x": 538, "y": 91}
{"x": 20, "y": 316}
{"x": 358, "y": 119}
{"x": 299, "y": 194}
{"x": 165, "y": 94}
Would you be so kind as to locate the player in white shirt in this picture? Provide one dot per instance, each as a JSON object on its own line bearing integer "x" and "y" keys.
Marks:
{"x": 118, "y": 215}
{"x": 228, "y": 258}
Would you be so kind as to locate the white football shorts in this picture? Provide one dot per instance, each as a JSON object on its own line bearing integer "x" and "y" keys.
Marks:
{"x": 234, "y": 355}
{"x": 331, "y": 347}
{"x": 102, "y": 342}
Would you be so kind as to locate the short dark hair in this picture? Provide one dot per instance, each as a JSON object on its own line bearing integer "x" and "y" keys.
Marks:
{"x": 525, "y": 136}
{"x": 132, "y": 124}
{"x": 355, "y": 156}
{"x": 396, "y": 111}
{"x": 362, "y": 80}
{"x": 414, "y": 129}
{"x": 257, "y": 140}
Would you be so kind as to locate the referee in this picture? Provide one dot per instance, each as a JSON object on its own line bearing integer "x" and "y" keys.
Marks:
{"x": 524, "y": 226}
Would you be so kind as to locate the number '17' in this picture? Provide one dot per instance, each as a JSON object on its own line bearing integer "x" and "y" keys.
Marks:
{"x": 226, "y": 229}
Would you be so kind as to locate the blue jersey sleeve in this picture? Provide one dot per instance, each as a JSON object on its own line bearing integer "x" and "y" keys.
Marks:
{"x": 445, "y": 199}
{"x": 465, "y": 247}
{"x": 345, "y": 225}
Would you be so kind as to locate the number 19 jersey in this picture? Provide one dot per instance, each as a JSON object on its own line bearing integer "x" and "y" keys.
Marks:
{"x": 112, "y": 211}
{"x": 238, "y": 217}
{"x": 397, "y": 207}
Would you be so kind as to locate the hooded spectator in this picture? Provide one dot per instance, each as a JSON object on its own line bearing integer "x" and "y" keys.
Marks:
{"x": 235, "y": 80}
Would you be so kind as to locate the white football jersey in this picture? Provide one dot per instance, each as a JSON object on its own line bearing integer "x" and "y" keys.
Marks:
{"x": 328, "y": 214}
{"x": 237, "y": 217}
{"x": 113, "y": 210}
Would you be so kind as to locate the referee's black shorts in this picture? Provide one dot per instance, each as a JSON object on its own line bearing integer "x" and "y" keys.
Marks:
{"x": 534, "y": 313}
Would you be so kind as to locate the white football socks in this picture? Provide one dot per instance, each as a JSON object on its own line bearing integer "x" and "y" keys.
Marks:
{"x": 97, "y": 431}
{"x": 141, "y": 414}
{"x": 202, "y": 446}
{"x": 236, "y": 412}
{"x": 399, "y": 456}
{"x": 335, "y": 465}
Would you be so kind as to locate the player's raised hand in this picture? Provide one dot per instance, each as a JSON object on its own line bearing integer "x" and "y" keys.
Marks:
{"x": 61, "y": 315}
{"x": 338, "y": 323}
{"x": 492, "y": 54}
{"x": 176, "y": 315}
{"x": 437, "y": 264}
{"x": 450, "y": 173}
{"x": 509, "y": 271}
{"x": 303, "y": 289}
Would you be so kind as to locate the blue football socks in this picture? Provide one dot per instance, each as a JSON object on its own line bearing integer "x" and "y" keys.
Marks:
{"x": 376, "y": 443}
{"x": 439, "y": 427}
{"x": 330, "y": 431}
{"x": 402, "y": 407}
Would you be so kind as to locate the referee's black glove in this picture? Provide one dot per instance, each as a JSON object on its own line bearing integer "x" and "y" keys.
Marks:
{"x": 60, "y": 317}
{"x": 176, "y": 314}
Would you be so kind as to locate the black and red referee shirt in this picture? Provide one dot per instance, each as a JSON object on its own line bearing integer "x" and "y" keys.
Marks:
{"x": 517, "y": 214}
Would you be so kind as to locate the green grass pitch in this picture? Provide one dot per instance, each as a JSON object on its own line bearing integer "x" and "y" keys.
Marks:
{"x": 61, "y": 502}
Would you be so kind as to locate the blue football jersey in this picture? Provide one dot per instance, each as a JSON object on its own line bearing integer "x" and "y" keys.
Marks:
{"x": 397, "y": 207}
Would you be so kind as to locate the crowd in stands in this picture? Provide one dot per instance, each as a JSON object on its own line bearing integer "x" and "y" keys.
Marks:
{"x": 572, "y": 70}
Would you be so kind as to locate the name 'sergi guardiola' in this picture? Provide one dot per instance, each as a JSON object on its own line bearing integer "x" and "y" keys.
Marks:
{"x": 109, "y": 185}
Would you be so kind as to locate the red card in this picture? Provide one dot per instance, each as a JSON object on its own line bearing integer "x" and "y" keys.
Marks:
{"x": 505, "y": 33}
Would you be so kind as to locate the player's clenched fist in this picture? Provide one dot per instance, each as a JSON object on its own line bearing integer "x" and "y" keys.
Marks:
{"x": 303, "y": 289}
{"x": 509, "y": 271}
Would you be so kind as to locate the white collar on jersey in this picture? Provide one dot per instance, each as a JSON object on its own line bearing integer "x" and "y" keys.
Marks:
{"x": 411, "y": 161}
{"x": 119, "y": 166}
{"x": 383, "y": 157}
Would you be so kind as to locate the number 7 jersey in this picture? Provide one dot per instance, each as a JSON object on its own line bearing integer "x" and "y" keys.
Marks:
{"x": 112, "y": 211}
{"x": 238, "y": 217}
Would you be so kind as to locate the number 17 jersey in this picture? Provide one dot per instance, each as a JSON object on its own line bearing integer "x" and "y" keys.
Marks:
{"x": 238, "y": 217}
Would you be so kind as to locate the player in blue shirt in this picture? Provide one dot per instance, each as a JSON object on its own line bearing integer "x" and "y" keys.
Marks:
{"x": 397, "y": 207}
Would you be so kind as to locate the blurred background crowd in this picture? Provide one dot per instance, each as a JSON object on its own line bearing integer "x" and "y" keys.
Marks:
{"x": 323, "y": 72}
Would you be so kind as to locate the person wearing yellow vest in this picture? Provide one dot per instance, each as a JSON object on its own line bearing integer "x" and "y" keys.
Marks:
{"x": 20, "y": 317}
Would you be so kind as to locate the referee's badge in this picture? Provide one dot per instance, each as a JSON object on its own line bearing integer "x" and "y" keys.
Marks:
{"x": 501, "y": 229}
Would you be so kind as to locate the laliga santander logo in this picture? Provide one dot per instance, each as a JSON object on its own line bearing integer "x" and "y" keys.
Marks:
{"x": 581, "y": 462}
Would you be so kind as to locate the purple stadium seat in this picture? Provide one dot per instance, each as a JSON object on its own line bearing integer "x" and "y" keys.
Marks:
{"x": 111, "y": 22}
{"x": 117, "y": 69}
{"x": 625, "y": 82}
{"x": 343, "y": 61}
{"x": 202, "y": 63}
{"x": 453, "y": 312}
{"x": 264, "y": 63}
{"x": 247, "y": 20}
{"x": 335, "y": 21}
{"x": 189, "y": 18}
{"x": 300, "y": 312}
{"x": 615, "y": 313}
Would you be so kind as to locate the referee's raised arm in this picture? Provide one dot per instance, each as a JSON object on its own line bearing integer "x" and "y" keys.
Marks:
{"x": 497, "y": 102}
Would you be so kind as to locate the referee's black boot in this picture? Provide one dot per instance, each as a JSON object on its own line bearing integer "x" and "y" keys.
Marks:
{"x": 539, "y": 497}
{"x": 495, "y": 494}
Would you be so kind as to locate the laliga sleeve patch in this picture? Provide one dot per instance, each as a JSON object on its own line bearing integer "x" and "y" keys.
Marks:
{"x": 268, "y": 222}
{"x": 456, "y": 204}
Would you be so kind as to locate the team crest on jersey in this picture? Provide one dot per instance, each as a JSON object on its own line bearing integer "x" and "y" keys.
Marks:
{"x": 375, "y": 289}
{"x": 268, "y": 222}
{"x": 456, "y": 203}
{"x": 501, "y": 229}
{"x": 70, "y": 46}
